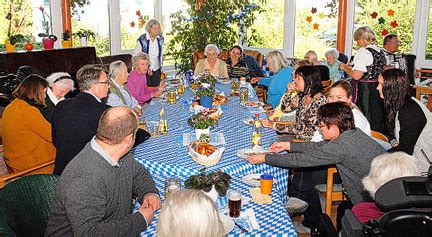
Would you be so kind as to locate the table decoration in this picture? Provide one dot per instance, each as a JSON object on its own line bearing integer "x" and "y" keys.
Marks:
{"x": 202, "y": 121}
{"x": 209, "y": 183}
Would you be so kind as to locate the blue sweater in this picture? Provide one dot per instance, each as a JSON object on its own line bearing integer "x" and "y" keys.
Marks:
{"x": 277, "y": 85}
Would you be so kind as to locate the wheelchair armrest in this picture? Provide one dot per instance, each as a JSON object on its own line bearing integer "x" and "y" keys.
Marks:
{"x": 351, "y": 227}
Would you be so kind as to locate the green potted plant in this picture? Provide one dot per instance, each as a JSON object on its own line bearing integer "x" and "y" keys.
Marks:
{"x": 212, "y": 183}
{"x": 201, "y": 122}
{"x": 48, "y": 38}
{"x": 84, "y": 36}
{"x": 66, "y": 41}
{"x": 206, "y": 89}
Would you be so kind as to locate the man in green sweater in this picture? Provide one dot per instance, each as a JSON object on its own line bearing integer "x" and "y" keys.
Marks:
{"x": 350, "y": 149}
{"x": 95, "y": 191}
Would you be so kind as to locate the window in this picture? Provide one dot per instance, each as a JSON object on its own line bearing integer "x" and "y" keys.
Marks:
{"x": 269, "y": 25}
{"x": 388, "y": 17}
{"x": 134, "y": 14}
{"x": 428, "y": 50}
{"x": 315, "y": 27}
{"x": 94, "y": 18}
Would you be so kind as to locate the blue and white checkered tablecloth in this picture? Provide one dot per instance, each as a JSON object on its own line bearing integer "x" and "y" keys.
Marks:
{"x": 273, "y": 219}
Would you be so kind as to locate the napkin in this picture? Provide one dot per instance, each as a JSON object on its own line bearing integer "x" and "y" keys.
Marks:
{"x": 258, "y": 197}
{"x": 248, "y": 220}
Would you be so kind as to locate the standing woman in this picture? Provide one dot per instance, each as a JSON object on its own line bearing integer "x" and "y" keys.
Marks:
{"x": 408, "y": 120}
{"x": 369, "y": 62}
{"x": 151, "y": 43}
{"x": 236, "y": 65}
{"x": 27, "y": 140}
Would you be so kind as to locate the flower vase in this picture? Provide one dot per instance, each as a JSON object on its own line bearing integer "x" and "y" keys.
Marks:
{"x": 83, "y": 41}
{"x": 48, "y": 43}
{"x": 66, "y": 44}
{"x": 213, "y": 194}
{"x": 9, "y": 47}
{"x": 199, "y": 132}
{"x": 206, "y": 101}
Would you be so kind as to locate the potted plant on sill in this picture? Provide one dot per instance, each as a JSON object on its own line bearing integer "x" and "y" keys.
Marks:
{"x": 66, "y": 41}
{"x": 48, "y": 38}
{"x": 84, "y": 36}
{"x": 12, "y": 41}
{"x": 212, "y": 183}
{"x": 201, "y": 122}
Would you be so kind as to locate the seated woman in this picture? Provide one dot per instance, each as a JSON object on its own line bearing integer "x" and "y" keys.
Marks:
{"x": 344, "y": 147}
{"x": 383, "y": 169}
{"x": 236, "y": 65}
{"x": 137, "y": 80}
{"x": 27, "y": 138}
{"x": 306, "y": 96}
{"x": 312, "y": 56}
{"x": 333, "y": 64}
{"x": 60, "y": 83}
{"x": 212, "y": 63}
{"x": 189, "y": 213}
{"x": 408, "y": 120}
{"x": 342, "y": 91}
{"x": 277, "y": 83}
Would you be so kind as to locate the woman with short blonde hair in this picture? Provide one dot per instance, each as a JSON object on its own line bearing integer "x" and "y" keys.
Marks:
{"x": 189, "y": 213}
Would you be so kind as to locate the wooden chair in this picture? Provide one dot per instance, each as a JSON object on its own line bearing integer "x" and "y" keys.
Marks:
{"x": 331, "y": 192}
{"x": 379, "y": 136}
{"x": 259, "y": 57}
{"x": 423, "y": 90}
{"x": 199, "y": 54}
{"x": 45, "y": 168}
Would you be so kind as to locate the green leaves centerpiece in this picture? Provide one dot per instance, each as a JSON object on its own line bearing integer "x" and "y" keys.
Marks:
{"x": 202, "y": 120}
{"x": 205, "y": 181}
{"x": 206, "y": 85}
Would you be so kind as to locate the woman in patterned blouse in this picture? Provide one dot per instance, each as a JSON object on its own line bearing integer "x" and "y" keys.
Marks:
{"x": 307, "y": 82}
{"x": 236, "y": 65}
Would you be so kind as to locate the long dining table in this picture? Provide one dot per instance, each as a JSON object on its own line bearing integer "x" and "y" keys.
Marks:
{"x": 166, "y": 156}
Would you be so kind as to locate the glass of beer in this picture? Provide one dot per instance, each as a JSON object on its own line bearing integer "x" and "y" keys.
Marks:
{"x": 244, "y": 95}
{"x": 180, "y": 89}
{"x": 172, "y": 97}
{"x": 171, "y": 185}
{"x": 235, "y": 85}
{"x": 142, "y": 123}
{"x": 234, "y": 203}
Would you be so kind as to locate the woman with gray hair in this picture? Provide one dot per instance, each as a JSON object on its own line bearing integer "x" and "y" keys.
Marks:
{"x": 384, "y": 168}
{"x": 60, "y": 83}
{"x": 151, "y": 43}
{"x": 190, "y": 213}
{"x": 277, "y": 83}
{"x": 211, "y": 63}
{"x": 333, "y": 63}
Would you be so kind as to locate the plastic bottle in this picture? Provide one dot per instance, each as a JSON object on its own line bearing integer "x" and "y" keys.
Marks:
{"x": 256, "y": 132}
{"x": 163, "y": 124}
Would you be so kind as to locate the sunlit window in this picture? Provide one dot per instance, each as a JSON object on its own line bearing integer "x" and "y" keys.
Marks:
{"x": 428, "y": 52}
{"x": 316, "y": 27}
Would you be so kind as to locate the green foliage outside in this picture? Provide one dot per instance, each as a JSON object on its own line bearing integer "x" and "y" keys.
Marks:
{"x": 192, "y": 30}
{"x": 100, "y": 42}
{"x": 15, "y": 18}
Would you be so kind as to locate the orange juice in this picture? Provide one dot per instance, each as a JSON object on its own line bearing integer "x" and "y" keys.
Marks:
{"x": 266, "y": 182}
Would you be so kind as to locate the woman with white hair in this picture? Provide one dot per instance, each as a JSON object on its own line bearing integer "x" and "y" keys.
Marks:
{"x": 212, "y": 63}
{"x": 60, "y": 83}
{"x": 277, "y": 84}
{"x": 189, "y": 213}
{"x": 151, "y": 43}
{"x": 384, "y": 168}
{"x": 333, "y": 63}
{"x": 369, "y": 62}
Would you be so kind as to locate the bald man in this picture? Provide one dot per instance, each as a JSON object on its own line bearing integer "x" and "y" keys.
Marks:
{"x": 95, "y": 192}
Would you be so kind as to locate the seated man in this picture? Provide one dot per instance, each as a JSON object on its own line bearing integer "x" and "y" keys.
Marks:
{"x": 350, "y": 149}
{"x": 75, "y": 120}
{"x": 119, "y": 94}
{"x": 94, "y": 194}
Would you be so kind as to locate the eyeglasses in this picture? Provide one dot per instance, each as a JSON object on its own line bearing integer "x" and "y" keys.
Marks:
{"x": 104, "y": 82}
{"x": 395, "y": 42}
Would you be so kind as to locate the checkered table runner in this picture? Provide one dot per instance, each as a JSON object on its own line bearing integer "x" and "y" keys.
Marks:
{"x": 272, "y": 218}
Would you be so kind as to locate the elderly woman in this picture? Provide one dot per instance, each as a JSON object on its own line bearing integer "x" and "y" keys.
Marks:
{"x": 277, "y": 63}
{"x": 27, "y": 138}
{"x": 312, "y": 56}
{"x": 189, "y": 213}
{"x": 408, "y": 120}
{"x": 212, "y": 63}
{"x": 333, "y": 63}
{"x": 305, "y": 95}
{"x": 137, "y": 80}
{"x": 151, "y": 43}
{"x": 344, "y": 147}
{"x": 118, "y": 94}
{"x": 369, "y": 62}
{"x": 236, "y": 65}
{"x": 60, "y": 83}
{"x": 384, "y": 168}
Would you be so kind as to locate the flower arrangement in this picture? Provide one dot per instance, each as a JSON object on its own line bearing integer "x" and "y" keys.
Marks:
{"x": 46, "y": 25}
{"x": 85, "y": 33}
{"x": 205, "y": 181}
{"x": 66, "y": 35}
{"x": 206, "y": 85}
{"x": 202, "y": 120}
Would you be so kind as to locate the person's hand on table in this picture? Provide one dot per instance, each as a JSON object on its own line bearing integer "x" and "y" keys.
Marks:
{"x": 147, "y": 212}
{"x": 256, "y": 159}
{"x": 267, "y": 123}
{"x": 138, "y": 110}
{"x": 280, "y": 146}
{"x": 152, "y": 201}
{"x": 254, "y": 80}
{"x": 162, "y": 85}
{"x": 156, "y": 94}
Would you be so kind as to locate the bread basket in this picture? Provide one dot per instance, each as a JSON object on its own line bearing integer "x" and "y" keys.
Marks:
{"x": 203, "y": 159}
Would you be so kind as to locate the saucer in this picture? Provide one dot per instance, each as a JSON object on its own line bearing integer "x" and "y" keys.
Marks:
{"x": 252, "y": 179}
{"x": 245, "y": 152}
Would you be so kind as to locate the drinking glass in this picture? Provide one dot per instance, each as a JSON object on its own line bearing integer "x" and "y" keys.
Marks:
{"x": 142, "y": 123}
{"x": 171, "y": 185}
{"x": 153, "y": 128}
{"x": 172, "y": 97}
{"x": 235, "y": 85}
{"x": 234, "y": 203}
{"x": 180, "y": 89}
{"x": 244, "y": 95}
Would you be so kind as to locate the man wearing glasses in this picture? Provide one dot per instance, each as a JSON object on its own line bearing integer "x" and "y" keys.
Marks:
{"x": 391, "y": 44}
{"x": 75, "y": 120}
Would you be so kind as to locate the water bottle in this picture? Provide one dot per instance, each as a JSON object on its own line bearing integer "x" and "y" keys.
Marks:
{"x": 163, "y": 124}
{"x": 256, "y": 133}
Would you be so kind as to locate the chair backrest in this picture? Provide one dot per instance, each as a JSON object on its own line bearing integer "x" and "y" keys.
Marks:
{"x": 259, "y": 57}
{"x": 379, "y": 136}
{"x": 199, "y": 54}
{"x": 424, "y": 90}
{"x": 126, "y": 58}
{"x": 27, "y": 202}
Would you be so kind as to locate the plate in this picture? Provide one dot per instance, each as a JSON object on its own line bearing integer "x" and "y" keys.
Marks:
{"x": 248, "y": 121}
{"x": 224, "y": 81}
{"x": 252, "y": 179}
{"x": 254, "y": 104}
{"x": 245, "y": 152}
{"x": 227, "y": 222}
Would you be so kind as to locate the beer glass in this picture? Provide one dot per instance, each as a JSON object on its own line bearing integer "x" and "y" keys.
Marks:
{"x": 172, "y": 97}
{"x": 171, "y": 185}
{"x": 244, "y": 95}
{"x": 180, "y": 89}
{"x": 234, "y": 203}
{"x": 235, "y": 85}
